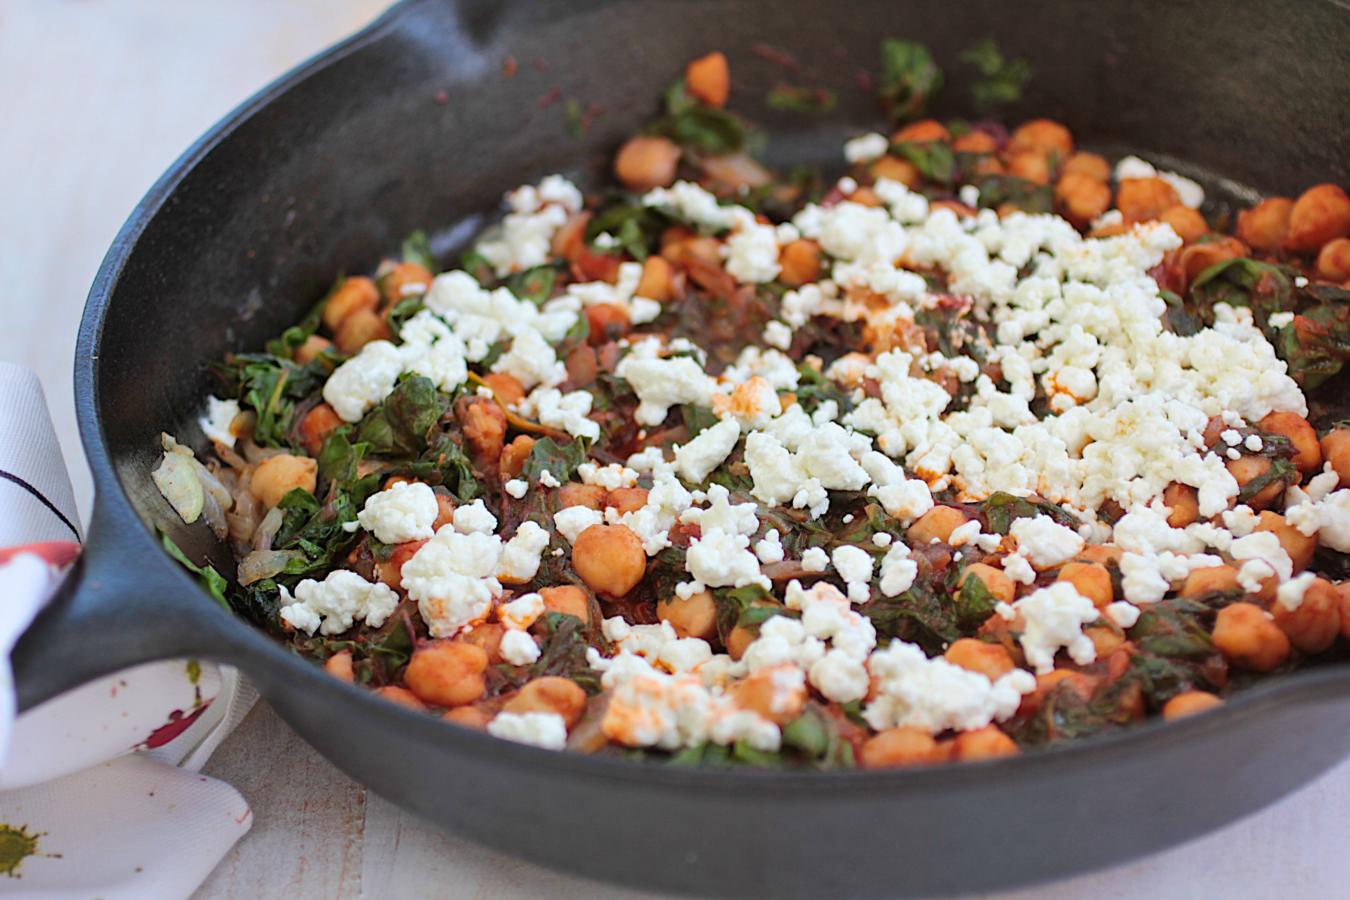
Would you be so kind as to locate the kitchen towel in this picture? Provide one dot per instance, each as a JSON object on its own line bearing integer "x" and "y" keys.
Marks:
{"x": 100, "y": 794}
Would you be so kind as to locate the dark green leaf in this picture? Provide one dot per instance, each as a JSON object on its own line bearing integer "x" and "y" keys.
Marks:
{"x": 534, "y": 285}
{"x": 698, "y": 128}
{"x": 560, "y": 461}
{"x": 697, "y": 418}
{"x": 934, "y": 159}
{"x": 801, "y": 99}
{"x": 213, "y": 581}
{"x": 399, "y": 426}
{"x": 417, "y": 249}
{"x": 1001, "y": 81}
{"x": 909, "y": 78}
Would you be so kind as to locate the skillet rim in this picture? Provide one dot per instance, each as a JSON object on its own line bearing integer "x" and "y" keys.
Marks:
{"x": 248, "y": 647}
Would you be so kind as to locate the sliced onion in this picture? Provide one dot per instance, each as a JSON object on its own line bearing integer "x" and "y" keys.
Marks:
{"x": 267, "y": 529}
{"x": 176, "y": 478}
{"x": 215, "y": 517}
{"x": 262, "y": 564}
{"x": 736, "y": 171}
{"x": 255, "y": 454}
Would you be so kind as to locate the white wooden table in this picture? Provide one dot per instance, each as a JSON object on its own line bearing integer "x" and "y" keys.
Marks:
{"x": 99, "y": 96}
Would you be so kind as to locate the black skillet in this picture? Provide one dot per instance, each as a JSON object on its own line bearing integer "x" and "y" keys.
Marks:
{"x": 411, "y": 124}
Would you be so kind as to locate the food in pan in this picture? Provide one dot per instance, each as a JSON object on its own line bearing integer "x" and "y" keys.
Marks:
{"x": 990, "y": 443}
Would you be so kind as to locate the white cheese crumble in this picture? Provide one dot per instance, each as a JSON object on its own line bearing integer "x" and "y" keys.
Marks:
{"x": 540, "y": 729}
{"x": 333, "y": 605}
{"x": 934, "y": 695}
{"x": 215, "y": 422}
{"x": 1053, "y": 617}
{"x": 404, "y": 512}
{"x": 1044, "y": 542}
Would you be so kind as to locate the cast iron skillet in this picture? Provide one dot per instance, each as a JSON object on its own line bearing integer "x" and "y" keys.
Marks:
{"x": 410, "y": 124}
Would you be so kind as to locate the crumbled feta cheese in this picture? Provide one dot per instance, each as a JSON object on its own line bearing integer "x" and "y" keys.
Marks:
{"x": 663, "y": 383}
{"x": 770, "y": 548}
{"x": 1044, "y": 542}
{"x": 452, "y": 578}
{"x": 721, "y": 559}
{"x": 854, "y": 566}
{"x": 697, "y": 459}
{"x": 404, "y": 512}
{"x": 333, "y": 605}
{"x": 866, "y": 148}
{"x": 518, "y": 648}
{"x": 215, "y": 423}
{"x": 814, "y": 559}
{"x": 364, "y": 380}
{"x": 898, "y": 571}
{"x": 573, "y": 520}
{"x": 520, "y": 557}
{"x": 566, "y": 411}
{"x": 1290, "y": 594}
{"x": 516, "y": 487}
{"x": 1054, "y": 617}
{"x": 540, "y": 729}
{"x": 471, "y": 517}
{"x": 934, "y": 695}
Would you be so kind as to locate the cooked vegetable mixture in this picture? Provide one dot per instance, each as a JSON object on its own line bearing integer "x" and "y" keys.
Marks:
{"x": 991, "y": 443}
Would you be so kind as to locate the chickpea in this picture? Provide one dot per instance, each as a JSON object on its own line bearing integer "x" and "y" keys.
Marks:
{"x": 569, "y": 240}
{"x": 1082, "y": 198}
{"x": 1343, "y": 600}
{"x": 1265, "y": 225}
{"x": 1248, "y": 637}
{"x": 693, "y": 616}
{"x": 1188, "y": 703}
{"x": 1247, "y": 469}
{"x": 487, "y": 636}
{"x": 550, "y": 694}
{"x": 507, "y": 388}
{"x": 316, "y": 426}
{"x": 1090, "y": 579}
{"x": 1298, "y": 545}
{"x": 309, "y": 351}
{"x": 1142, "y": 199}
{"x": 404, "y": 280}
{"x": 975, "y": 142}
{"x": 1196, "y": 258}
{"x": 339, "y": 665}
{"x": 608, "y": 322}
{"x": 646, "y": 161}
{"x": 591, "y": 496}
{"x": 445, "y": 508}
{"x": 484, "y": 426}
{"x": 1333, "y": 262}
{"x": 1043, "y": 136}
{"x": 799, "y": 262}
{"x": 1101, "y": 553}
{"x": 1186, "y": 222}
{"x": 626, "y": 500}
{"x": 1313, "y": 626}
{"x": 1320, "y": 214}
{"x": 709, "y": 79}
{"x": 896, "y": 747}
{"x": 983, "y": 743}
{"x": 922, "y": 131}
{"x": 569, "y": 600}
{"x": 1090, "y": 164}
{"x": 1105, "y": 640}
{"x": 277, "y": 476}
{"x": 865, "y": 196}
{"x": 656, "y": 282}
{"x": 401, "y": 696}
{"x": 609, "y": 558}
{"x": 935, "y": 525}
{"x": 468, "y": 717}
{"x": 974, "y": 655}
{"x": 1210, "y": 579}
{"x": 1031, "y": 165}
{"x": 390, "y": 571}
{"x": 1081, "y": 683}
{"x": 360, "y": 328}
{"x": 893, "y": 168}
{"x": 1184, "y": 503}
{"x": 447, "y": 673}
{"x": 1307, "y": 452}
{"x": 778, "y": 693}
{"x": 702, "y": 249}
{"x": 995, "y": 581}
{"x": 1336, "y": 450}
{"x": 582, "y": 366}
{"x": 513, "y": 457}
{"x": 355, "y": 293}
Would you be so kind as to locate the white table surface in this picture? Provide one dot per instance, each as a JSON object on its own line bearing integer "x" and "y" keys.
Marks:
{"x": 99, "y": 96}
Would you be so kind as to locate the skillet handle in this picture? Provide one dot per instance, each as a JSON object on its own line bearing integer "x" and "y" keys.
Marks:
{"x": 125, "y": 602}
